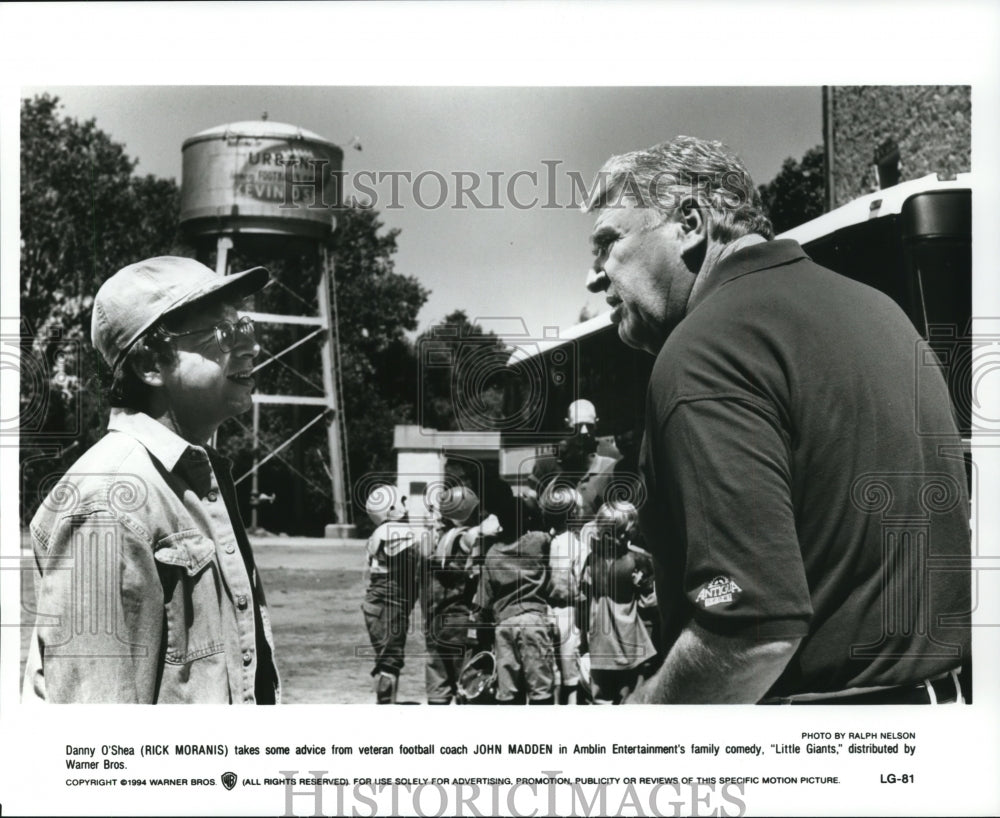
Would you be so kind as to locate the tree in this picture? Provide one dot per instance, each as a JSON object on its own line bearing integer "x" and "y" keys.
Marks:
{"x": 84, "y": 215}
{"x": 461, "y": 376}
{"x": 797, "y": 193}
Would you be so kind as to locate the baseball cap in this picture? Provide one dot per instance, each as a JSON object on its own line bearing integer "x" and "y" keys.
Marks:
{"x": 458, "y": 503}
{"x": 138, "y": 296}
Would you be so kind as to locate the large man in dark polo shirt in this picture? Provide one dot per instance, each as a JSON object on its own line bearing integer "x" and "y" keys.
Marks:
{"x": 800, "y": 524}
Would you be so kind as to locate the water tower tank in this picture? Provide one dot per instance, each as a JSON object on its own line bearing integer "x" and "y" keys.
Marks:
{"x": 236, "y": 181}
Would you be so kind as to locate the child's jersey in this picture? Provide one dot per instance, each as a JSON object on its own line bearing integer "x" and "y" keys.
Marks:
{"x": 451, "y": 570}
{"x": 394, "y": 560}
{"x": 613, "y": 581}
{"x": 516, "y": 576}
{"x": 567, "y": 557}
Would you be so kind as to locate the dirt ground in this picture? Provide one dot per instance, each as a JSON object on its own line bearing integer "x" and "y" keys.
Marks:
{"x": 315, "y": 593}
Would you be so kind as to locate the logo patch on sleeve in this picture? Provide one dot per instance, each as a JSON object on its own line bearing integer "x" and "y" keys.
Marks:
{"x": 718, "y": 591}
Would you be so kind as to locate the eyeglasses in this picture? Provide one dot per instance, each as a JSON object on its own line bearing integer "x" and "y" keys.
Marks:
{"x": 226, "y": 332}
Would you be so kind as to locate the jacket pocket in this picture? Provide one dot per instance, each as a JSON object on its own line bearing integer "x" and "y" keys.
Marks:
{"x": 191, "y": 596}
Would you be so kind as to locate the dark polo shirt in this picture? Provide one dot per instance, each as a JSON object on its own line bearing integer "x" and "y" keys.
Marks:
{"x": 805, "y": 476}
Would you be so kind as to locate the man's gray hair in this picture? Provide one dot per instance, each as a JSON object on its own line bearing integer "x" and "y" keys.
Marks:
{"x": 662, "y": 176}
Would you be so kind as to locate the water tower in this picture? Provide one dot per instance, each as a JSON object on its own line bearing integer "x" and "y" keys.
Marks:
{"x": 258, "y": 186}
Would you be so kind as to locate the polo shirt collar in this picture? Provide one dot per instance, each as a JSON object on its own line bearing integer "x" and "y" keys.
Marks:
{"x": 163, "y": 444}
{"x": 761, "y": 256}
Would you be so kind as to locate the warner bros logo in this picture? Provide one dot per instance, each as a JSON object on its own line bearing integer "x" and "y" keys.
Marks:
{"x": 229, "y": 780}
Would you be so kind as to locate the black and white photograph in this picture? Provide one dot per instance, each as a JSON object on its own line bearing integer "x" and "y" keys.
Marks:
{"x": 359, "y": 394}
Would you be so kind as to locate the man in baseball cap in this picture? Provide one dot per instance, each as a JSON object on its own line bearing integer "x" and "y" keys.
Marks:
{"x": 146, "y": 586}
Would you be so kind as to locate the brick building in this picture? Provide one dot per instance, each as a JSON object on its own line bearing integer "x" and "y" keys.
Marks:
{"x": 906, "y": 131}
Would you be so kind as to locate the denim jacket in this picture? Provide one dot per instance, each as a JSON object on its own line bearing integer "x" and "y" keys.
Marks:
{"x": 142, "y": 594}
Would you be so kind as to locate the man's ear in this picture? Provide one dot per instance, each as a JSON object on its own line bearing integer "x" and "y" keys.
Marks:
{"x": 694, "y": 224}
{"x": 146, "y": 367}
{"x": 693, "y": 221}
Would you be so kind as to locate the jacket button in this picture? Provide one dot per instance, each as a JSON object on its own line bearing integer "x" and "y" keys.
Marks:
{"x": 230, "y": 549}
{"x": 213, "y": 496}
{"x": 241, "y": 602}
{"x": 247, "y": 658}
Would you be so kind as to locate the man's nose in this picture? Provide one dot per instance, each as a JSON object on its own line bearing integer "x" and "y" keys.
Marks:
{"x": 247, "y": 347}
{"x": 597, "y": 280}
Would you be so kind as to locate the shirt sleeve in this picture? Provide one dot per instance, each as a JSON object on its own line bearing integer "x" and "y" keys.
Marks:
{"x": 560, "y": 586}
{"x": 586, "y": 578}
{"x": 99, "y": 615}
{"x": 374, "y": 554}
{"x": 726, "y": 473}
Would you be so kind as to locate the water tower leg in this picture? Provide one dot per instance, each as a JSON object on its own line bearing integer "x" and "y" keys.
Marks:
{"x": 254, "y": 482}
{"x": 222, "y": 248}
{"x": 334, "y": 432}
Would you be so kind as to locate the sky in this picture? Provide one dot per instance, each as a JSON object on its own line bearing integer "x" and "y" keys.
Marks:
{"x": 518, "y": 267}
